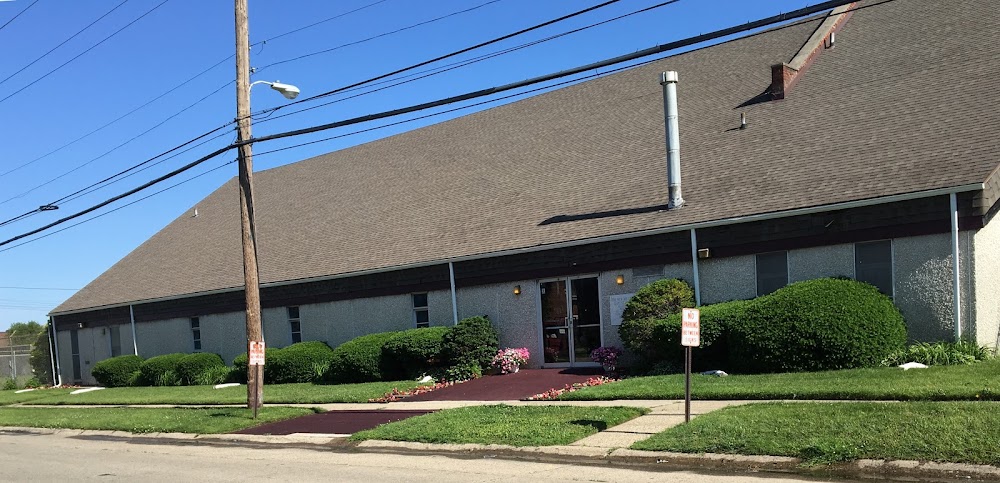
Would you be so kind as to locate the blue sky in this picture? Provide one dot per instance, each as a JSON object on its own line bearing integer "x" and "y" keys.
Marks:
{"x": 181, "y": 38}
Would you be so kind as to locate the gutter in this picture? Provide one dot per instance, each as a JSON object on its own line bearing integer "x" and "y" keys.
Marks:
{"x": 573, "y": 243}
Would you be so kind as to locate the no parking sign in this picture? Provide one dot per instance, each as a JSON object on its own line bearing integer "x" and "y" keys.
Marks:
{"x": 691, "y": 328}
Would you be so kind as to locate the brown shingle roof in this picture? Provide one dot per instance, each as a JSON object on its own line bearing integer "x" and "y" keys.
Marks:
{"x": 904, "y": 102}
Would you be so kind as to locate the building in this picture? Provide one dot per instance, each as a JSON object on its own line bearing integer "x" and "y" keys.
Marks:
{"x": 859, "y": 151}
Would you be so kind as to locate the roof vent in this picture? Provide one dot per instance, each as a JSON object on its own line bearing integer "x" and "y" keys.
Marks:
{"x": 785, "y": 75}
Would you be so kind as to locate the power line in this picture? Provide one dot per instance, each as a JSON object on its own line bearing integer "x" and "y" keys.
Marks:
{"x": 449, "y": 55}
{"x": 133, "y": 138}
{"x": 317, "y": 23}
{"x": 118, "y": 208}
{"x": 378, "y": 36}
{"x": 71, "y": 37}
{"x": 18, "y": 15}
{"x": 38, "y": 288}
{"x": 471, "y": 95}
{"x": 455, "y": 65}
{"x": 95, "y": 186}
{"x": 77, "y": 56}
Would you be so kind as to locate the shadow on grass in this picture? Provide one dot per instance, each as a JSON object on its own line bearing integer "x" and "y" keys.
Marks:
{"x": 598, "y": 425}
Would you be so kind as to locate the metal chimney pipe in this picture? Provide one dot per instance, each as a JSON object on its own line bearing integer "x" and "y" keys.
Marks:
{"x": 669, "y": 82}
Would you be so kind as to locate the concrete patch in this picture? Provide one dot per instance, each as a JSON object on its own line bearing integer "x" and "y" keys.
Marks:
{"x": 86, "y": 390}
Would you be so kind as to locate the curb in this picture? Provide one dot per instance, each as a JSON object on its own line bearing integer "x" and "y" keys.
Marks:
{"x": 649, "y": 460}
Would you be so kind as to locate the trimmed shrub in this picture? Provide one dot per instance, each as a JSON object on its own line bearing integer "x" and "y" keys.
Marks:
{"x": 358, "y": 360}
{"x": 160, "y": 370}
{"x": 116, "y": 371}
{"x": 664, "y": 343}
{"x": 461, "y": 372}
{"x": 645, "y": 314}
{"x": 239, "y": 370}
{"x": 817, "y": 325}
{"x": 199, "y": 369}
{"x": 295, "y": 362}
{"x": 413, "y": 352}
{"x": 657, "y": 300}
{"x": 472, "y": 341}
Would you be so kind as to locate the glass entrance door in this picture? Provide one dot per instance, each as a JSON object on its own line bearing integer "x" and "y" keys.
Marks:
{"x": 571, "y": 320}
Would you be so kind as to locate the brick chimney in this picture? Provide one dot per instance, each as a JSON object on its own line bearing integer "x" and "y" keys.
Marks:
{"x": 785, "y": 75}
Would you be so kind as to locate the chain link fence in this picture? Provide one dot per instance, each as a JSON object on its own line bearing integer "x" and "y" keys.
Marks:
{"x": 15, "y": 362}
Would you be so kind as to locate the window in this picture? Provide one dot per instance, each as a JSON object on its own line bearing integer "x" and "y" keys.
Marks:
{"x": 116, "y": 340}
{"x": 421, "y": 315}
{"x": 772, "y": 272}
{"x": 196, "y": 332}
{"x": 74, "y": 343}
{"x": 873, "y": 264}
{"x": 294, "y": 323}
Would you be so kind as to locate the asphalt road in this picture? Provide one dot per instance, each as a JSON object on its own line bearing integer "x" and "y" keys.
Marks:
{"x": 27, "y": 457}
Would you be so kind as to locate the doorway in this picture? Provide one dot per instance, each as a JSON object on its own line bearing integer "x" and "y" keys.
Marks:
{"x": 571, "y": 320}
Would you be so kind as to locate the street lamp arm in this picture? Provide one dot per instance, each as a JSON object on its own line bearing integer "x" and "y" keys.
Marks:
{"x": 287, "y": 90}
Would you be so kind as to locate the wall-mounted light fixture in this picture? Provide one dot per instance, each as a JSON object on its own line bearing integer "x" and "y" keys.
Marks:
{"x": 79, "y": 325}
{"x": 620, "y": 279}
{"x": 704, "y": 253}
{"x": 517, "y": 290}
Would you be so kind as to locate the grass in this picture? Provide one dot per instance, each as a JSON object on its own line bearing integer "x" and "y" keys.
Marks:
{"x": 147, "y": 420}
{"x": 501, "y": 424}
{"x": 9, "y": 397}
{"x": 820, "y": 433}
{"x": 980, "y": 381}
{"x": 273, "y": 394}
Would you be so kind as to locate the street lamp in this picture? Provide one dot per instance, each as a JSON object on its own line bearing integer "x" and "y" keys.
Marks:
{"x": 289, "y": 91}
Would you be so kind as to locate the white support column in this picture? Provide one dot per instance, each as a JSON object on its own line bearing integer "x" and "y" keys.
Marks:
{"x": 135, "y": 344}
{"x": 694, "y": 268}
{"x": 454, "y": 300}
{"x": 957, "y": 288}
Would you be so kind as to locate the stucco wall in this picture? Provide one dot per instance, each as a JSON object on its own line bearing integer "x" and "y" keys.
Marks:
{"x": 986, "y": 280}
{"x": 820, "y": 262}
{"x": 724, "y": 279}
{"x": 514, "y": 316}
{"x": 343, "y": 320}
{"x": 923, "y": 285}
{"x": 224, "y": 334}
{"x": 164, "y": 337}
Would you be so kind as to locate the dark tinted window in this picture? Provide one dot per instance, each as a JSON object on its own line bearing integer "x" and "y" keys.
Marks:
{"x": 419, "y": 300}
{"x": 772, "y": 272}
{"x": 873, "y": 264}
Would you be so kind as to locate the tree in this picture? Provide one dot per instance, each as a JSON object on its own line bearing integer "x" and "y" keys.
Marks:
{"x": 24, "y": 333}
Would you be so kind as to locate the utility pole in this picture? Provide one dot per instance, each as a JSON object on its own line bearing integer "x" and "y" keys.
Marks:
{"x": 255, "y": 373}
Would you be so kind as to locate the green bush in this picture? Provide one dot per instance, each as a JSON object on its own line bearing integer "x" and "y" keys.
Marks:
{"x": 116, "y": 371}
{"x": 358, "y": 360}
{"x": 295, "y": 362}
{"x": 659, "y": 299}
{"x": 199, "y": 369}
{"x": 160, "y": 370}
{"x": 645, "y": 314}
{"x": 472, "y": 341}
{"x": 239, "y": 370}
{"x": 816, "y": 325}
{"x": 940, "y": 354}
{"x": 461, "y": 372}
{"x": 413, "y": 353}
{"x": 10, "y": 385}
{"x": 663, "y": 345}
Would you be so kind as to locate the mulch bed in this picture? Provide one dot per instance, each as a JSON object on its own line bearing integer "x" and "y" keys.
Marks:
{"x": 509, "y": 387}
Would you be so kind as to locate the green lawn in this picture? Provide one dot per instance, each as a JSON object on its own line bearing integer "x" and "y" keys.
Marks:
{"x": 980, "y": 381}
{"x": 273, "y": 394}
{"x": 9, "y": 397}
{"x": 147, "y": 420}
{"x": 501, "y": 424}
{"x": 960, "y": 432}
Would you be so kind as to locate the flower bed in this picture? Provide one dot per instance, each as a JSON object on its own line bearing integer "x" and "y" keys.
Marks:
{"x": 552, "y": 394}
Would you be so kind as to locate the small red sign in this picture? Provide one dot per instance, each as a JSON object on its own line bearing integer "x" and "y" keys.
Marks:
{"x": 256, "y": 354}
{"x": 690, "y": 328}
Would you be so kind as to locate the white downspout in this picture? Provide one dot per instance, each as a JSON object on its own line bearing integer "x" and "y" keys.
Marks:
{"x": 957, "y": 289}
{"x": 454, "y": 300}
{"x": 694, "y": 267}
{"x": 57, "y": 376}
{"x": 131, "y": 316}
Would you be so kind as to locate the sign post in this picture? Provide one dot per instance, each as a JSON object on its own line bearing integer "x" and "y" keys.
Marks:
{"x": 690, "y": 337}
{"x": 255, "y": 361}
